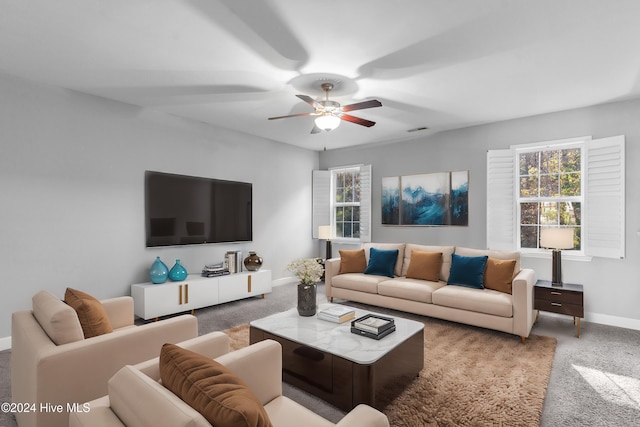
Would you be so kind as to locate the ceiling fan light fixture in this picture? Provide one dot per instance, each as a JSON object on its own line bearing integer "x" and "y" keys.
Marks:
{"x": 327, "y": 122}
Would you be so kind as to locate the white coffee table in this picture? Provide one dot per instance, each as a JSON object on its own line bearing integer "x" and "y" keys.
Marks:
{"x": 328, "y": 360}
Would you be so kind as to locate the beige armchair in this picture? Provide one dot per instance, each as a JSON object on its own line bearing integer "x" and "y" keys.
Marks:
{"x": 53, "y": 364}
{"x": 136, "y": 398}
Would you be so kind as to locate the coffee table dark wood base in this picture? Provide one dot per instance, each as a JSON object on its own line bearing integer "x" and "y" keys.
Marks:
{"x": 341, "y": 382}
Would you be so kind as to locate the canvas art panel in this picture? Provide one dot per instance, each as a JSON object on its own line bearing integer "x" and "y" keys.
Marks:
{"x": 432, "y": 199}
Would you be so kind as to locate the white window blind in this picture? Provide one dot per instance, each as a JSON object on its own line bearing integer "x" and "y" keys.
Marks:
{"x": 322, "y": 201}
{"x": 321, "y": 210}
{"x": 501, "y": 205}
{"x": 606, "y": 197}
{"x": 604, "y": 220}
{"x": 365, "y": 203}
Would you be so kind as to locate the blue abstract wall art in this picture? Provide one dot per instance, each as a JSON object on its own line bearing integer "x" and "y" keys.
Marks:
{"x": 432, "y": 199}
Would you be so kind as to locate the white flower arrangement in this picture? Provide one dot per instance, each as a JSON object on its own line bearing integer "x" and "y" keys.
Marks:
{"x": 307, "y": 270}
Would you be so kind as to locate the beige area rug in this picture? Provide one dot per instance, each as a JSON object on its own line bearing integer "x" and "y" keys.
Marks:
{"x": 471, "y": 377}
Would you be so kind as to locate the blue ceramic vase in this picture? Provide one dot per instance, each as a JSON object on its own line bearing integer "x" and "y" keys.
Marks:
{"x": 158, "y": 272}
{"x": 178, "y": 272}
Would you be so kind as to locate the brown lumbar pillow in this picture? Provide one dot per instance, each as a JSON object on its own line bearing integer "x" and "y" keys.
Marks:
{"x": 210, "y": 388}
{"x": 92, "y": 315}
{"x": 425, "y": 266}
{"x": 352, "y": 261}
{"x": 499, "y": 274}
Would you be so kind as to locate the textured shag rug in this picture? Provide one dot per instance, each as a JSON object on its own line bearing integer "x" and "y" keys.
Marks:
{"x": 471, "y": 377}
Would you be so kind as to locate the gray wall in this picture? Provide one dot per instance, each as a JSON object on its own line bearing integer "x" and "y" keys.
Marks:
{"x": 612, "y": 287}
{"x": 72, "y": 187}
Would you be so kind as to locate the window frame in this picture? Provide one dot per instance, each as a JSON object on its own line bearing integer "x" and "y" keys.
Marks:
{"x": 580, "y": 143}
{"x": 333, "y": 203}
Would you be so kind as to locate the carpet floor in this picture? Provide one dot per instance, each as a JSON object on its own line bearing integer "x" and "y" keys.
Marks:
{"x": 472, "y": 377}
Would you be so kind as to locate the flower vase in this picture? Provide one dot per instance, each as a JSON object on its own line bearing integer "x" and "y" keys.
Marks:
{"x": 178, "y": 273}
{"x": 306, "y": 299}
{"x": 253, "y": 262}
{"x": 158, "y": 272}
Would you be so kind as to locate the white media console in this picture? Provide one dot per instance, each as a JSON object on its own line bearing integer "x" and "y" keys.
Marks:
{"x": 151, "y": 301}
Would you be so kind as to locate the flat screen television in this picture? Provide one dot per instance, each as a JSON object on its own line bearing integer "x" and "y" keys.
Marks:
{"x": 187, "y": 210}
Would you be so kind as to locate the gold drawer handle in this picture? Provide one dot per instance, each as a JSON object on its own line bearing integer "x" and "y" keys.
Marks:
{"x": 557, "y": 304}
{"x": 556, "y": 293}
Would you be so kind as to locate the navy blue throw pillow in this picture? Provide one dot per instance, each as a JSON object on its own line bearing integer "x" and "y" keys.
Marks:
{"x": 467, "y": 271}
{"x": 381, "y": 262}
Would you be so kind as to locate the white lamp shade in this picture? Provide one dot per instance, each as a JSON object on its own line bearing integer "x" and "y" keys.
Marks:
{"x": 327, "y": 122}
{"x": 324, "y": 232}
{"x": 556, "y": 238}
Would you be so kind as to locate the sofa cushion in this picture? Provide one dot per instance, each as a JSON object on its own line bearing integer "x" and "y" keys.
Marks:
{"x": 397, "y": 271}
{"x": 139, "y": 401}
{"x": 210, "y": 388}
{"x": 425, "y": 265}
{"x": 409, "y": 289}
{"x": 92, "y": 315}
{"x": 446, "y": 257}
{"x": 498, "y": 274}
{"x": 58, "y": 320}
{"x": 381, "y": 262}
{"x": 492, "y": 254}
{"x": 358, "y": 282}
{"x": 485, "y": 301}
{"x": 467, "y": 271}
{"x": 352, "y": 261}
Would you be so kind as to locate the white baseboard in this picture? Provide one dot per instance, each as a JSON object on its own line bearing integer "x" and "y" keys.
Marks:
{"x": 5, "y": 343}
{"x": 620, "y": 322}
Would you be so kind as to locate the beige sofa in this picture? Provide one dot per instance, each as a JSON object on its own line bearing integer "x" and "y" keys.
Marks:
{"x": 53, "y": 364}
{"x": 487, "y": 308}
{"x": 136, "y": 398}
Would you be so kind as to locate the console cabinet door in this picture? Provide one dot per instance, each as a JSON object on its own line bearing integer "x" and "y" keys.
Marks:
{"x": 243, "y": 285}
{"x": 152, "y": 301}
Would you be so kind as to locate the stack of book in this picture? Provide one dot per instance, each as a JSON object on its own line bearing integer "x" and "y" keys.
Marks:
{"x": 213, "y": 270}
{"x": 337, "y": 314}
{"x": 373, "y": 326}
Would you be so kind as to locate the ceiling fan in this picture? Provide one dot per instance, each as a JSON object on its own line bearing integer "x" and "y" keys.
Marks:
{"x": 330, "y": 113}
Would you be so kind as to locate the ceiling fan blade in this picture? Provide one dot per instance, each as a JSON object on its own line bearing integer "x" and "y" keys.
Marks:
{"x": 357, "y": 120}
{"x": 362, "y": 105}
{"x": 292, "y": 115}
{"x": 315, "y": 129}
{"x": 309, "y": 100}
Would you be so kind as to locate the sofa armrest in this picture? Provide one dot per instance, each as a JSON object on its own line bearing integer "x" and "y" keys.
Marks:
{"x": 79, "y": 371}
{"x": 259, "y": 366}
{"x": 120, "y": 311}
{"x": 331, "y": 269}
{"x": 364, "y": 415}
{"x": 522, "y": 293}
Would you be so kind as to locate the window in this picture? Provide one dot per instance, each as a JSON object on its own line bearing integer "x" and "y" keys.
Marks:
{"x": 342, "y": 199}
{"x": 577, "y": 183}
{"x": 346, "y": 202}
{"x": 550, "y": 193}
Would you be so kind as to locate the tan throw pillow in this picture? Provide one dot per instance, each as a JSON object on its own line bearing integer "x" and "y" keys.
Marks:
{"x": 353, "y": 261}
{"x": 425, "y": 265}
{"x": 210, "y": 388}
{"x": 92, "y": 315}
{"x": 499, "y": 274}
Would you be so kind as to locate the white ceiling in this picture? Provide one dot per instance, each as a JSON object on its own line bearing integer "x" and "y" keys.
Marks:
{"x": 442, "y": 64}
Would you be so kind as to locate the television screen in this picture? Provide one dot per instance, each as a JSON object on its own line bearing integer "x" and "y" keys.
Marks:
{"x": 185, "y": 210}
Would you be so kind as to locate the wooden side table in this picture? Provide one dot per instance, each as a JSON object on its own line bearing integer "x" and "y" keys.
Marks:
{"x": 566, "y": 299}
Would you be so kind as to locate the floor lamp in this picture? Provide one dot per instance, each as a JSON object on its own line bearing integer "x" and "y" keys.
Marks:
{"x": 556, "y": 239}
{"x": 324, "y": 233}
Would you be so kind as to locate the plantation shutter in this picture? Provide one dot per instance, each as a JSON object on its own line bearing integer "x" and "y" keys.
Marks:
{"x": 501, "y": 229}
{"x": 321, "y": 209}
{"x": 365, "y": 203}
{"x": 605, "y": 197}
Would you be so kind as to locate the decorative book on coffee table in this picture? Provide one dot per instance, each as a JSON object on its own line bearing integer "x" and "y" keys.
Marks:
{"x": 337, "y": 314}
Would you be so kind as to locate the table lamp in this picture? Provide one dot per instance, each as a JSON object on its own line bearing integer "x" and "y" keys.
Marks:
{"x": 324, "y": 233}
{"x": 556, "y": 238}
